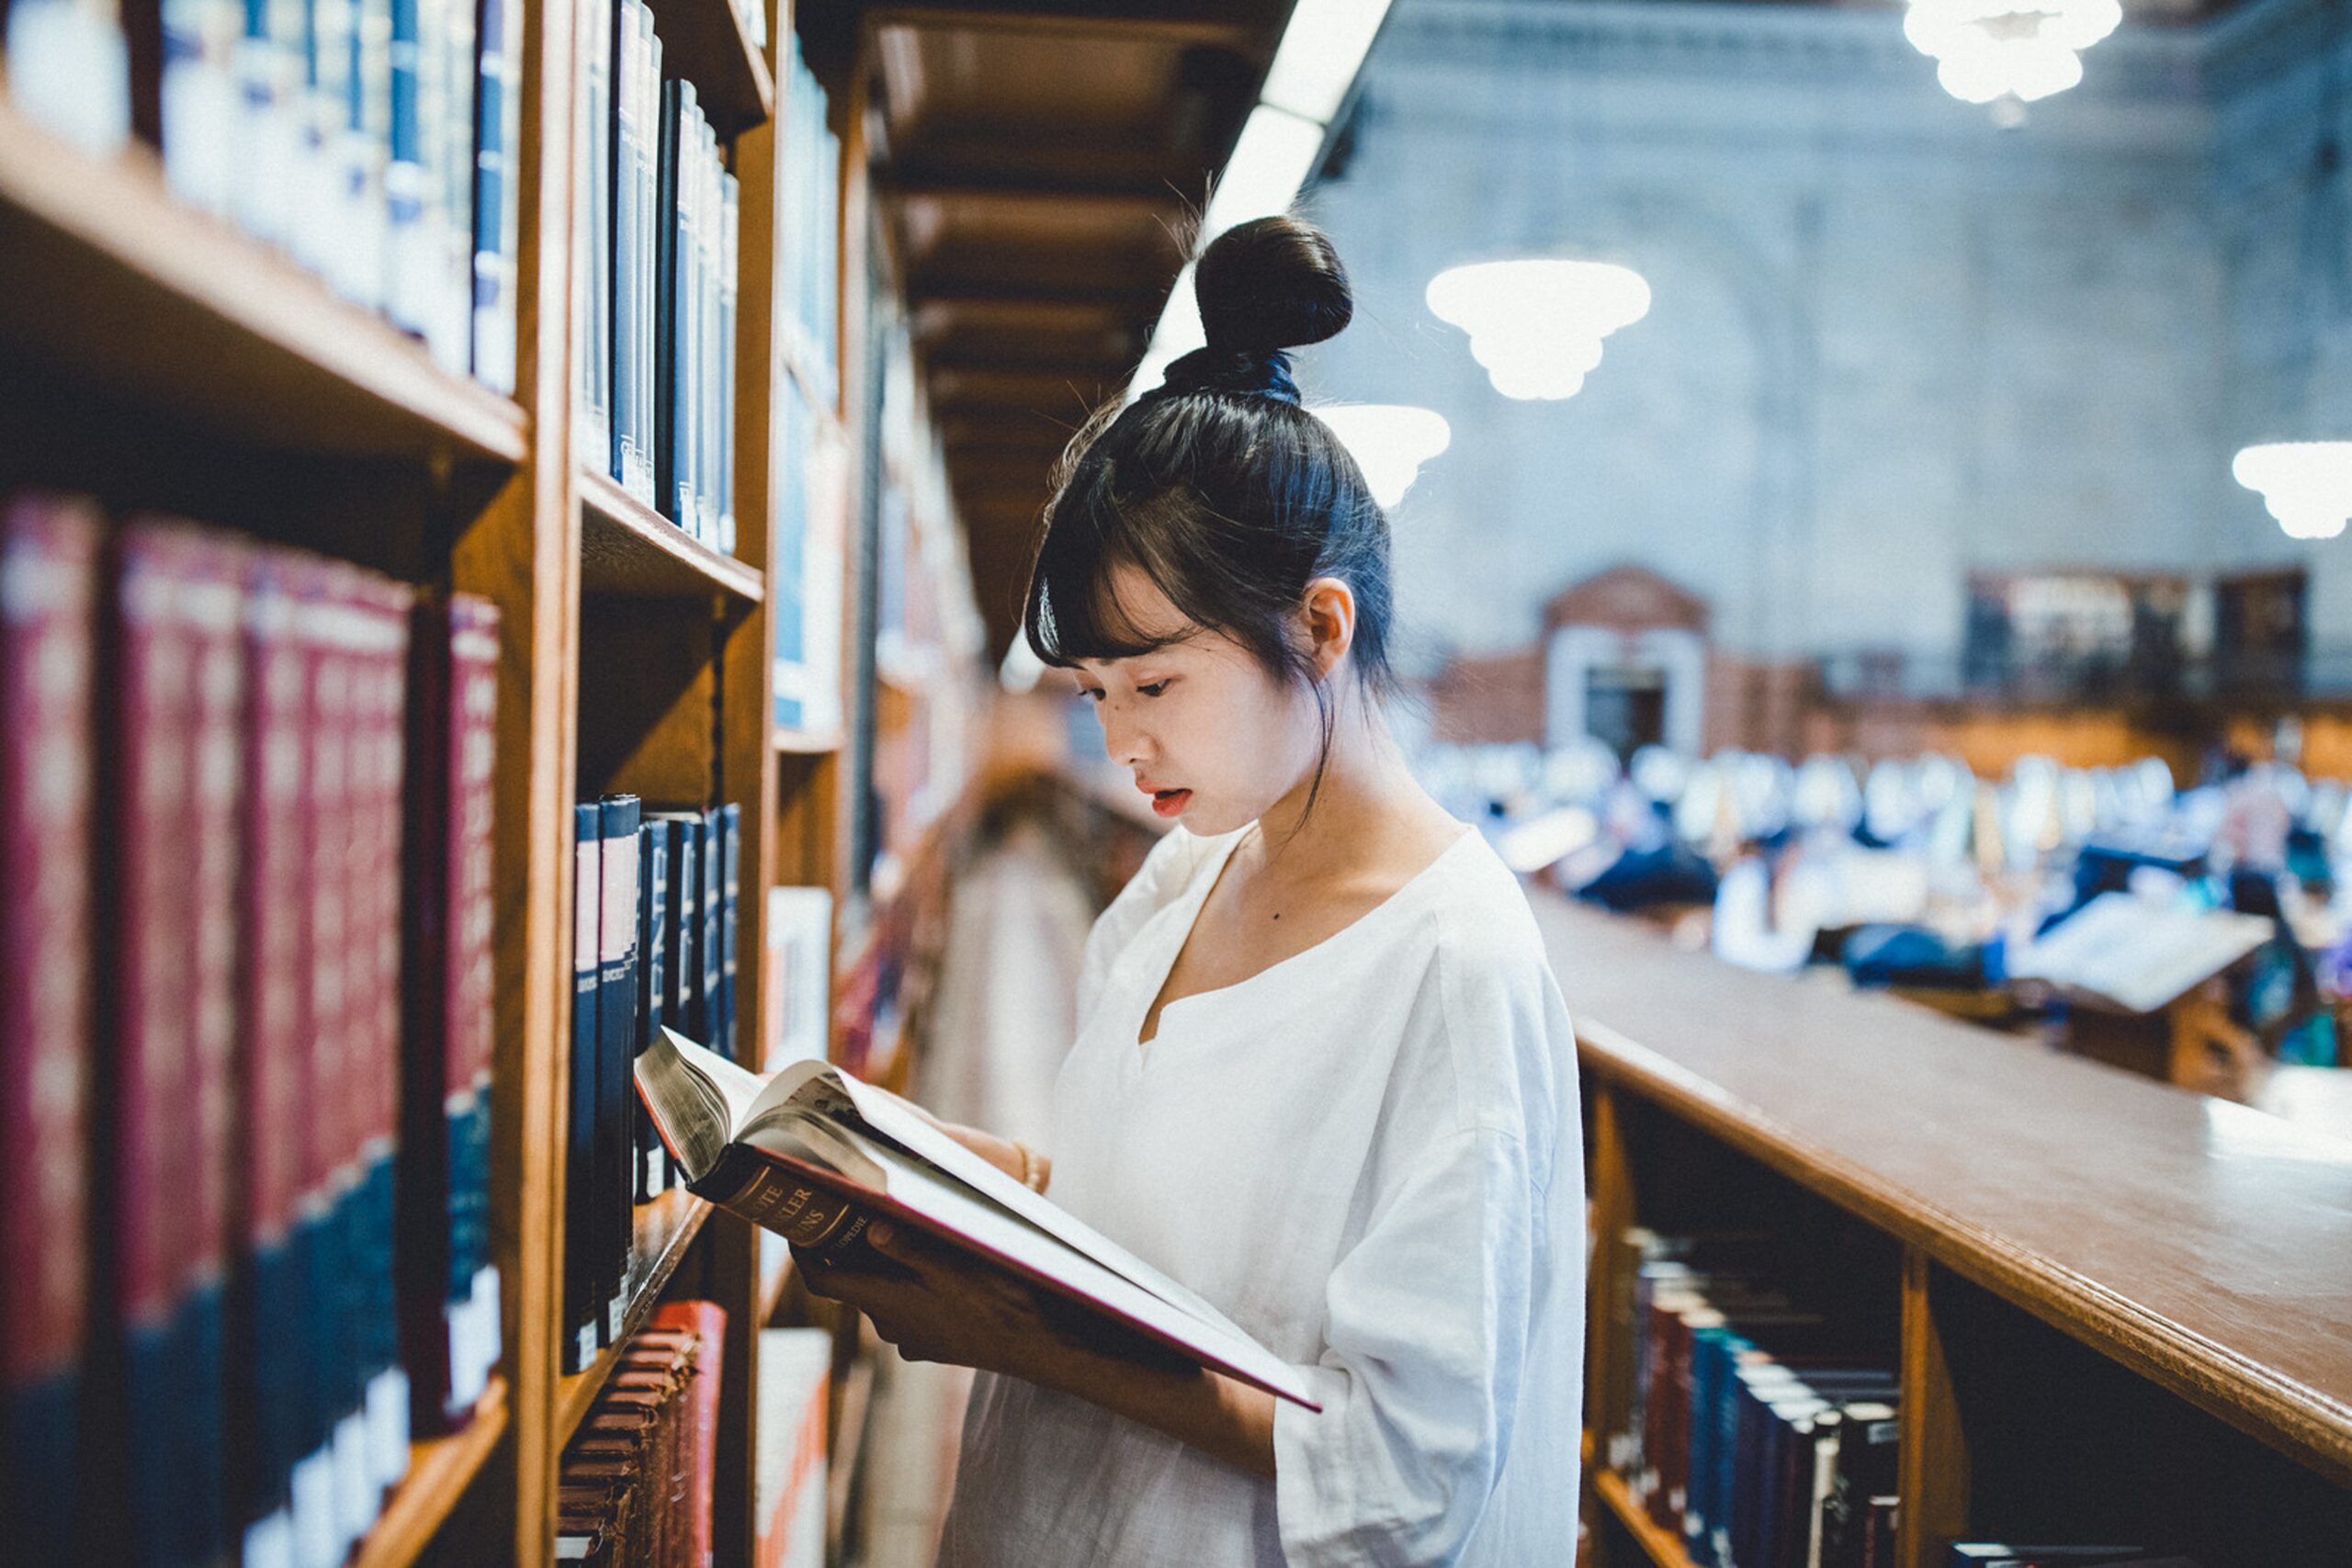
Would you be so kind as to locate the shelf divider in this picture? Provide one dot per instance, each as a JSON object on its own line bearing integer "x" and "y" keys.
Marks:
{"x": 666, "y": 1227}
{"x": 705, "y": 42}
{"x": 1660, "y": 1548}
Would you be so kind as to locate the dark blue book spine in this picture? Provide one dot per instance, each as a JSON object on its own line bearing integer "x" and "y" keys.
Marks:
{"x": 1699, "y": 1492}
{"x": 617, "y": 1045}
{"x": 581, "y": 1258}
{"x": 665, "y": 303}
{"x": 685, "y": 925}
{"x": 714, "y": 894}
{"x": 652, "y": 984}
{"x": 730, "y": 833}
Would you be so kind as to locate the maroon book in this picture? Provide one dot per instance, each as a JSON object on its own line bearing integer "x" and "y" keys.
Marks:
{"x": 148, "y": 1051}
{"x": 269, "y": 1317}
{"x": 449, "y": 1313}
{"x": 49, "y": 550}
{"x": 707, "y": 1322}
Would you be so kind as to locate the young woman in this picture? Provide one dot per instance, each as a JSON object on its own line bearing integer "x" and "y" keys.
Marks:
{"x": 1323, "y": 1074}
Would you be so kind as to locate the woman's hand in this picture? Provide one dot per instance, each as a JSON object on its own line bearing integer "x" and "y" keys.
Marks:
{"x": 936, "y": 1304}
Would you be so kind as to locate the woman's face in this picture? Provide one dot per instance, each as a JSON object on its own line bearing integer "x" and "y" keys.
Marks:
{"x": 1205, "y": 731}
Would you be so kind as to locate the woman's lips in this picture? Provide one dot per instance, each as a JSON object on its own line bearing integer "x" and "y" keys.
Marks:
{"x": 1171, "y": 802}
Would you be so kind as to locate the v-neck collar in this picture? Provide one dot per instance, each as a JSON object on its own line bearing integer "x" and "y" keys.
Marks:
{"x": 1196, "y": 899}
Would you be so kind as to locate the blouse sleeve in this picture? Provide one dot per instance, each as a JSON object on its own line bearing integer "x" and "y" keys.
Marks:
{"x": 1428, "y": 1314}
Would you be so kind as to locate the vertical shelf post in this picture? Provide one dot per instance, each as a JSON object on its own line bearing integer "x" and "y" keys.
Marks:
{"x": 1933, "y": 1450}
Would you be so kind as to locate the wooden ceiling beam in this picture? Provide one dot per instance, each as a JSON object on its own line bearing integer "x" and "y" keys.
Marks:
{"x": 1233, "y": 24}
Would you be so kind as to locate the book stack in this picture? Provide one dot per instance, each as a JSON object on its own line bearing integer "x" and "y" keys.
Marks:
{"x": 796, "y": 1366}
{"x": 655, "y": 289}
{"x": 654, "y": 945}
{"x": 811, "y": 230}
{"x": 217, "y": 1040}
{"x": 374, "y": 141}
{"x": 1760, "y": 1431}
{"x": 635, "y": 1488}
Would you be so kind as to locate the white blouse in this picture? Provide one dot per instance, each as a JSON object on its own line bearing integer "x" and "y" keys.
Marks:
{"x": 1368, "y": 1156}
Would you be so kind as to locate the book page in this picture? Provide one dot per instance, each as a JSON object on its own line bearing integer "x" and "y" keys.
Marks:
{"x": 912, "y": 1185}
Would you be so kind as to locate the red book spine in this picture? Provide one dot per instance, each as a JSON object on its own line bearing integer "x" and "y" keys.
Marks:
{"x": 148, "y": 1055}
{"x": 707, "y": 1322}
{"x": 472, "y": 995}
{"x": 48, "y": 612}
{"x": 381, "y": 623}
{"x": 269, "y": 1313}
{"x": 212, "y": 603}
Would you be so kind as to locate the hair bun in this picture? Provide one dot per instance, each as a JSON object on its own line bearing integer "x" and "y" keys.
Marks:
{"x": 1270, "y": 284}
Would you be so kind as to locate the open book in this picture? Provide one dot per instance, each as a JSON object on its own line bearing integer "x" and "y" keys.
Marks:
{"x": 814, "y": 1155}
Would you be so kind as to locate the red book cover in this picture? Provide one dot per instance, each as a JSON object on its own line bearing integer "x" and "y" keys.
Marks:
{"x": 379, "y": 625}
{"x": 269, "y": 1319}
{"x": 707, "y": 1322}
{"x": 49, "y": 550}
{"x": 148, "y": 1055}
{"x": 449, "y": 1315}
{"x": 212, "y": 604}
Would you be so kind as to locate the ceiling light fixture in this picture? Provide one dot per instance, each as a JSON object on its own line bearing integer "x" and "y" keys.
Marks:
{"x": 1322, "y": 49}
{"x": 1537, "y": 323}
{"x": 1389, "y": 442}
{"x": 2306, "y": 484}
{"x": 2008, "y": 51}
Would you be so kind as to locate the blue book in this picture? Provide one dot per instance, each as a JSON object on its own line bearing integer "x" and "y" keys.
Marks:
{"x": 714, "y": 895}
{"x": 497, "y": 213}
{"x": 652, "y": 985}
{"x": 583, "y": 1262}
{"x": 731, "y": 831}
{"x": 617, "y": 1046}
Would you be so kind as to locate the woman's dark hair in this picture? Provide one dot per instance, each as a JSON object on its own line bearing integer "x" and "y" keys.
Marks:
{"x": 1217, "y": 487}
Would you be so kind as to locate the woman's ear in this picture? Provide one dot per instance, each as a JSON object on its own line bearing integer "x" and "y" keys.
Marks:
{"x": 1328, "y": 615}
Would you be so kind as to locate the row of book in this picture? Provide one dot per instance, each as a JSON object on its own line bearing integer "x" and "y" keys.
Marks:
{"x": 2008, "y": 1554}
{"x": 657, "y": 230}
{"x": 654, "y": 947}
{"x": 374, "y": 141}
{"x": 245, "y": 840}
{"x": 634, "y": 1490}
{"x": 1760, "y": 1431}
{"x": 810, "y": 229}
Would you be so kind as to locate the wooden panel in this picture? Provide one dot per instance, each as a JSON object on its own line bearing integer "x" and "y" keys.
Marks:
{"x": 703, "y": 42}
{"x": 2198, "y": 1241}
{"x": 439, "y": 1474}
{"x": 1933, "y": 1451}
{"x": 1610, "y": 1195}
{"x": 648, "y": 701}
{"x": 100, "y": 269}
{"x": 628, "y": 548}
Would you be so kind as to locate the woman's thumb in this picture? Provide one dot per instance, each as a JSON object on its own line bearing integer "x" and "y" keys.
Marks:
{"x": 880, "y": 1233}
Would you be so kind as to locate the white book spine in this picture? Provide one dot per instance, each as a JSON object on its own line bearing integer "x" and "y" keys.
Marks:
{"x": 730, "y": 282}
{"x": 648, "y": 220}
{"x": 199, "y": 100}
{"x": 628, "y": 279}
{"x": 408, "y": 176}
{"x": 69, "y": 71}
{"x": 453, "y": 303}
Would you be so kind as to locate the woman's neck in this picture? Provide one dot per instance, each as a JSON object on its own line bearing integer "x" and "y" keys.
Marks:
{"x": 1365, "y": 794}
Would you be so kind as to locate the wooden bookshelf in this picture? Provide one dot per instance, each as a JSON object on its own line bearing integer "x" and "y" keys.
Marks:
{"x": 1661, "y": 1549}
{"x": 666, "y": 1229}
{"x": 705, "y": 42}
{"x": 628, "y": 548}
{"x": 439, "y": 1473}
{"x": 204, "y": 323}
{"x": 2073, "y": 1260}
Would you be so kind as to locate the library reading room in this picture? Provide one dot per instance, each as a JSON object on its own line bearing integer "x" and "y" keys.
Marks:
{"x": 686, "y": 686}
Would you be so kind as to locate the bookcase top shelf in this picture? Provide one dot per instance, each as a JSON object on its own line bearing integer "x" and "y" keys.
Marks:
{"x": 705, "y": 42}
{"x": 626, "y": 546}
{"x": 666, "y": 1227}
{"x": 109, "y": 280}
{"x": 2203, "y": 1245}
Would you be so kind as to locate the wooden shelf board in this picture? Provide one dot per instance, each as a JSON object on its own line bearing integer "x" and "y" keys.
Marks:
{"x": 107, "y": 278}
{"x": 1661, "y": 1548}
{"x": 703, "y": 41}
{"x": 811, "y": 742}
{"x": 665, "y": 1228}
{"x": 771, "y": 1290}
{"x": 626, "y": 546}
{"x": 439, "y": 1473}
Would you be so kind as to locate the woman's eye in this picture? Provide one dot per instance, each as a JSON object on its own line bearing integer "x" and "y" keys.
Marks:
{"x": 1154, "y": 689}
